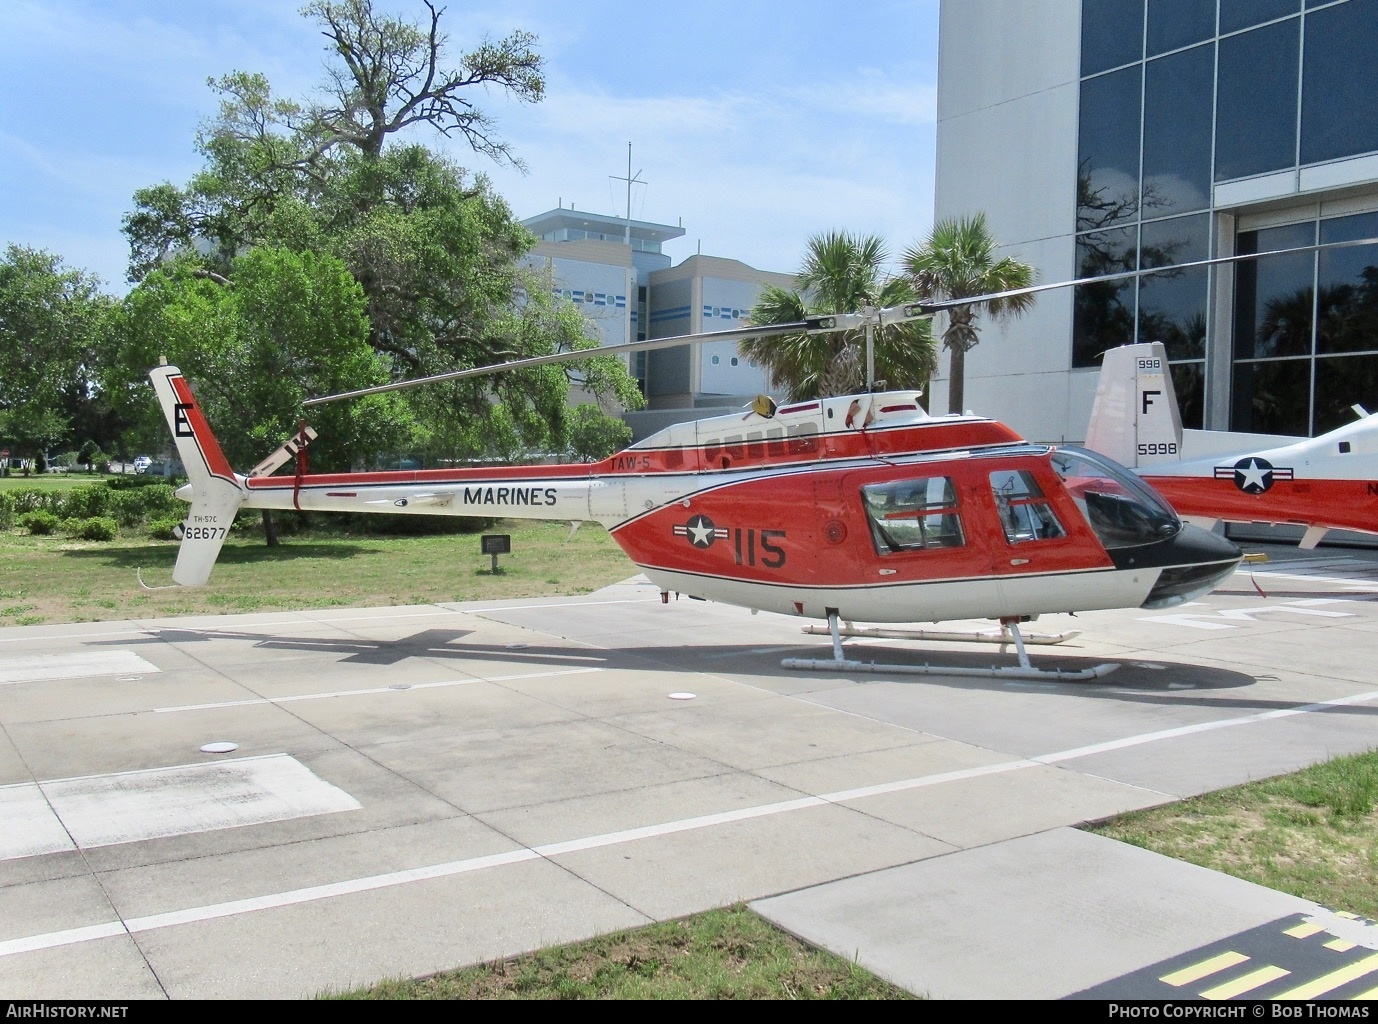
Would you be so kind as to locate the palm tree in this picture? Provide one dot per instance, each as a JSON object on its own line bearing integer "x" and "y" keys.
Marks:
{"x": 841, "y": 274}
{"x": 958, "y": 262}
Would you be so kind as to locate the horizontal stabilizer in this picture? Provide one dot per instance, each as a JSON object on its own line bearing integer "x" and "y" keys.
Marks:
{"x": 204, "y": 531}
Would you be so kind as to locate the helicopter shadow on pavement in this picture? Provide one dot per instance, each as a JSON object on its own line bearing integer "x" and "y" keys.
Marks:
{"x": 1136, "y": 680}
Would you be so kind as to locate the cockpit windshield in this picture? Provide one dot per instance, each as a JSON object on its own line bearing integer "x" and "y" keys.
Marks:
{"x": 1122, "y": 510}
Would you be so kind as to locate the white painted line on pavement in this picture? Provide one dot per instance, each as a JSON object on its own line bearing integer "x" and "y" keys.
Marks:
{"x": 79, "y": 665}
{"x": 403, "y": 688}
{"x": 193, "y": 915}
{"x": 31, "y": 827}
{"x": 127, "y": 807}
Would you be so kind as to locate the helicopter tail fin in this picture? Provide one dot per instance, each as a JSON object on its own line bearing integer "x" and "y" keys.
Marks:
{"x": 1135, "y": 418}
{"x": 216, "y": 492}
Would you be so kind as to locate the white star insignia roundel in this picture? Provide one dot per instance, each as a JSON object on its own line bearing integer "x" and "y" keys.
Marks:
{"x": 700, "y": 531}
{"x": 1254, "y": 476}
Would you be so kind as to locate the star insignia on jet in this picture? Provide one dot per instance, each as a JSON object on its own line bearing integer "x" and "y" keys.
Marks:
{"x": 700, "y": 531}
{"x": 1253, "y": 475}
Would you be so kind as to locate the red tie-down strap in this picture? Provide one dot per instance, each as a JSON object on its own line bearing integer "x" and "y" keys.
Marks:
{"x": 303, "y": 464}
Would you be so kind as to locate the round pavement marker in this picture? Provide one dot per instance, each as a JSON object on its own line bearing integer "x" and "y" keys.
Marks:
{"x": 221, "y": 747}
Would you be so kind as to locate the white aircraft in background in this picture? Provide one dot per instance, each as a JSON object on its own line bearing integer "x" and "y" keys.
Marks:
{"x": 1211, "y": 476}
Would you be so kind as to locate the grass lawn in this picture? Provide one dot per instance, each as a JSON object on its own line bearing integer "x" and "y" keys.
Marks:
{"x": 50, "y": 481}
{"x": 1313, "y": 834}
{"x": 56, "y": 579}
{"x": 722, "y": 954}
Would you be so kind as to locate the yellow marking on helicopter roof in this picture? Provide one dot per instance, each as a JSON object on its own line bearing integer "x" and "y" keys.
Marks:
{"x": 1204, "y": 969}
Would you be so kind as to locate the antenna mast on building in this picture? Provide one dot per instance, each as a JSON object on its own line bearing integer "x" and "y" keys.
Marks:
{"x": 629, "y": 179}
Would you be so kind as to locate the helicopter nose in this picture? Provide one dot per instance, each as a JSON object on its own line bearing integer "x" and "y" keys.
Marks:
{"x": 1195, "y": 562}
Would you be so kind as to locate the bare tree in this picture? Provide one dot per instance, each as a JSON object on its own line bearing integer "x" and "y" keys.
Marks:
{"x": 393, "y": 78}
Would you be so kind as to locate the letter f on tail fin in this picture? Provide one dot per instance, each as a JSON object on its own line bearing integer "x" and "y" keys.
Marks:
{"x": 216, "y": 492}
{"x": 1135, "y": 419}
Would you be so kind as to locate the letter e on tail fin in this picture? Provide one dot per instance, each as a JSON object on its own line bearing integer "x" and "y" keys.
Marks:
{"x": 216, "y": 492}
{"x": 1135, "y": 419}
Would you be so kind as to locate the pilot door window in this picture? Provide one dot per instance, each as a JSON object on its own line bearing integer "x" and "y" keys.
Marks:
{"x": 1024, "y": 512}
{"x": 912, "y": 515}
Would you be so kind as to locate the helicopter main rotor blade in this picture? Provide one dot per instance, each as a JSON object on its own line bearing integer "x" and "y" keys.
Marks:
{"x": 569, "y": 355}
{"x": 824, "y": 324}
{"x": 939, "y": 305}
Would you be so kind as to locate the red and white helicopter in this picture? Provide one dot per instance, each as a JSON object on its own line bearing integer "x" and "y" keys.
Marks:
{"x": 1210, "y": 476}
{"x": 861, "y": 508}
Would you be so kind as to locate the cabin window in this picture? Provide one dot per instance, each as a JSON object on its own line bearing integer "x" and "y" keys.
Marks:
{"x": 911, "y": 515}
{"x": 1024, "y": 512}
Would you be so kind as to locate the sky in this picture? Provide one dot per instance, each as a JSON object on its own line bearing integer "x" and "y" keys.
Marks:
{"x": 755, "y": 125}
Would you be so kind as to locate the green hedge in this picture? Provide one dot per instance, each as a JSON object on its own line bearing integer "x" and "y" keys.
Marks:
{"x": 39, "y": 521}
{"x": 91, "y": 528}
{"x": 127, "y": 506}
{"x": 152, "y": 505}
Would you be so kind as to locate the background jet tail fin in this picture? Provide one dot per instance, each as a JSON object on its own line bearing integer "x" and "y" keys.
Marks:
{"x": 1135, "y": 419}
{"x": 216, "y": 492}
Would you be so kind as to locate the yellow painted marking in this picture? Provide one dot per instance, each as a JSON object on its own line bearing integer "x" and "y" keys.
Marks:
{"x": 1204, "y": 969}
{"x": 1340, "y": 945}
{"x": 1370, "y": 994}
{"x": 1248, "y": 983}
{"x": 1347, "y": 915}
{"x": 1303, "y": 931}
{"x": 1333, "y": 980}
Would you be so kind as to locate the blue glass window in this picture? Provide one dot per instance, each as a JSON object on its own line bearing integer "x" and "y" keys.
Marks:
{"x": 1173, "y": 24}
{"x": 1172, "y": 305}
{"x": 1178, "y": 93}
{"x": 1103, "y": 313}
{"x": 1339, "y": 81}
{"x": 1112, "y": 33}
{"x": 1256, "y": 106}
{"x": 1347, "y": 290}
{"x": 1273, "y": 397}
{"x": 1108, "y": 154}
{"x": 1238, "y": 14}
{"x": 1273, "y": 296}
{"x": 1341, "y": 383}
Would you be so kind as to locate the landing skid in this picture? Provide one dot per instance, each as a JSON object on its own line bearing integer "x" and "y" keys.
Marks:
{"x": 1009, "y": 631}
{"x": 978, "y": 636}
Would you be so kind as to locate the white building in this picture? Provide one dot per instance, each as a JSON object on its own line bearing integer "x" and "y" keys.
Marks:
{"x": 1109, "y": 135}
{"x": 615, "y": 270}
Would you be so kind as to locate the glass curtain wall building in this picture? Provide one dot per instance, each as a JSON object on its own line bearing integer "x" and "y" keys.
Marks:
{"x": 1200, "y": 128}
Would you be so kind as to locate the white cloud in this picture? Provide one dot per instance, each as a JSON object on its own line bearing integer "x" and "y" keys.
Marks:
{"x": 754, "y": 148}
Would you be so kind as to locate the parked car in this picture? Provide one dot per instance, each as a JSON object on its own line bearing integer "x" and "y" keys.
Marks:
{"x": 141, "y": 464}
